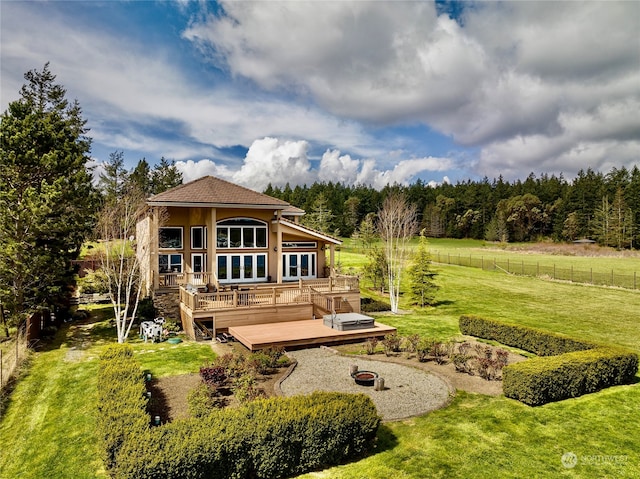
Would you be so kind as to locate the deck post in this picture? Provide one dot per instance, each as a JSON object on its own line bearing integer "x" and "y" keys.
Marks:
{"x": 273, "y": 296}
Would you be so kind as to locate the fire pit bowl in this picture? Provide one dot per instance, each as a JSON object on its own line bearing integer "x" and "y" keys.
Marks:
{"x": 365, "y": 378}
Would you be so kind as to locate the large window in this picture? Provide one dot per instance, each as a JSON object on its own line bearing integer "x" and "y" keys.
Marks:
{"x": 170, "y": 237}
{"x": 198, "y": 237}
{"x": 241, "y": 233}
{"x": 239, "y": 268}
{"x": 298, "y": 265}
{"x": 170, "y": 263}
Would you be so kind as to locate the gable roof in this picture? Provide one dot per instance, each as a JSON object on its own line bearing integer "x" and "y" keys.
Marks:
{"x": 215, "y": 192}
{"x": 311, "y": 232}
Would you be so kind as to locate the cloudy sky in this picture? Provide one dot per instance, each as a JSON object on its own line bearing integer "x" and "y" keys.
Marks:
{"x": 358, "y": 92}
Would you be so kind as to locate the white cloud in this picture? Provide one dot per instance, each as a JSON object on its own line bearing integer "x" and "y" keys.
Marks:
{"x": 278, "y": 162}
{"x": 557, "y": 77}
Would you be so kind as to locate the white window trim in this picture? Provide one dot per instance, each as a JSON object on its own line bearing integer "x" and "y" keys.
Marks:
{"x": 170, "y": 264}
{"x": 204, "y": 237}
{"x": 263, "y": 226}
{"x": 242, "y": 279}
{"x": 313, "y": 266}
{"x": 172, "y": 228}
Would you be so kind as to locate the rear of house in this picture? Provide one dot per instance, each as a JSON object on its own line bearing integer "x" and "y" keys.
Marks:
{"x": 238, "y": 258}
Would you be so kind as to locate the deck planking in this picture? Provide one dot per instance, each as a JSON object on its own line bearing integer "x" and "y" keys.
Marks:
{"x": 310, "y": 332}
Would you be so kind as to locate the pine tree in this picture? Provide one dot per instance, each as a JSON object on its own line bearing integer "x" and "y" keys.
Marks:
{"x": 46, "y": 196}
{"x": 421, "y": 275}
{"x": 165, "y": 175}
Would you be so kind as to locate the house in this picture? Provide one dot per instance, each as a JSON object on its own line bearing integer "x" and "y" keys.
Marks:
{"x": 237, "y": 258}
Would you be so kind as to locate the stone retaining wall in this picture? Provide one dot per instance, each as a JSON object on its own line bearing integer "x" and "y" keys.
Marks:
{"x": 167, "y": 304}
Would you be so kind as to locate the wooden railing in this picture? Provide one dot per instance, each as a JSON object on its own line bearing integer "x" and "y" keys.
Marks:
{"x": 306, "y": 291}
{"x": 169, "y": 280}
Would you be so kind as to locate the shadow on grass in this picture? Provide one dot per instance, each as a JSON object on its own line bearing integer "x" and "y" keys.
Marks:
{"x": 387, "y": 440}
{"x": 158, "y": 404}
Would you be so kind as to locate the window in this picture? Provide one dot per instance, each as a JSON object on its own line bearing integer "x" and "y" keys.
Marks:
{"x": 198, "y": 237}
{"x": 170, "y": 237}
{"x": 241, "y": 233}
{"x": 170, "y": 263}
{"x": 299, "y": 244}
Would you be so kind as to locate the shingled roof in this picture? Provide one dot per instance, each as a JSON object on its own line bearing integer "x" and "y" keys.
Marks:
{"x": 212, "y": 191}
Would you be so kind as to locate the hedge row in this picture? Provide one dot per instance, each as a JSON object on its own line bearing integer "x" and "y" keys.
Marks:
{"x": 554, "y": 378}
{"x": 268, "y": 438}
{"x": 121, "y": 402}
{"x": 538, "y": 341}
{"x": 568, "y": 368}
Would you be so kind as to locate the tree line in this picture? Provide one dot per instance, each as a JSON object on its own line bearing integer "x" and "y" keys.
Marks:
{"x": 604, "y": 207}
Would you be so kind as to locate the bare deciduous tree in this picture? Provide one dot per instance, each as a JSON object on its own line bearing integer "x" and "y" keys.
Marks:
{"x": 119, "y": 262}
{"x": 397, "y": 224}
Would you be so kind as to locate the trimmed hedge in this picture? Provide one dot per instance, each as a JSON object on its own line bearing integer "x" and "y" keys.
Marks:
{"x": 554, "y": 378}
{"x": 538, "y": 341}
{"x": 269, "y": 438}
{"x": 121, "y": 404}
{"x": 568, "y": 367}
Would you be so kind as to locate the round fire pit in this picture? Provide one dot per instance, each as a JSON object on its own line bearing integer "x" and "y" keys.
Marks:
{"x": 365, "y": 378}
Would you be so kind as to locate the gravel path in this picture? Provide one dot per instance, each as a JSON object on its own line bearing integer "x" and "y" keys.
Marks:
{"x": 408, "y": 391}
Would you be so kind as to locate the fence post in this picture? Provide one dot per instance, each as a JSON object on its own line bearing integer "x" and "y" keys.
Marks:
{"x": 611, "y": 277}
{"x": 538, "y": 268}
{"x": 554, "y": 271}
{"x": 591, "y": 274}
{"x": 634, "y": 280}
{"x": 482, "y": 262}
{"x": 571, "y": 277}
{"x": 522, "y": 267}
{"x": 508, "y": 271}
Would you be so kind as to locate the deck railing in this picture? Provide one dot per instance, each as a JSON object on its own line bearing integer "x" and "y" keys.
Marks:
{"x": 307, "y": 291}
{"x": 172, "y": 280}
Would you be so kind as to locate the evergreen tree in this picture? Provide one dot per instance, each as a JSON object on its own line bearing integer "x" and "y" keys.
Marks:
{"x": 140, "y": 178}
{"x": 320, "y": 217}
{"x": 113, "y": 181}
{"x": 46, "y": 196}
{"x": 165, "y": 176}
{"x": 421, "y": 275}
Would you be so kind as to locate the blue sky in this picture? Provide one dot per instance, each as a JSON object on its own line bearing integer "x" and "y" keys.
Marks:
{"x": 358, "y": 92}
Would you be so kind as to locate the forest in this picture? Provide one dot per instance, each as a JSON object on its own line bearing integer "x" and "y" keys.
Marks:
{"x": 603, "y": 207}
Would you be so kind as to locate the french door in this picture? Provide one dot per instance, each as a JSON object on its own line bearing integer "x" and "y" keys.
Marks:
{"x": 198, "y": 266}
{"x": 298, "y": 266}
{"x": 242, "y": 268}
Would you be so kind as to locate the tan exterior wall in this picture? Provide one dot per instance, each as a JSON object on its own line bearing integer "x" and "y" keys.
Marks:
{"x": 188, "y": 217}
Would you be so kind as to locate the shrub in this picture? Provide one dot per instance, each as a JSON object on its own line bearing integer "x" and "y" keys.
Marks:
{"x": 462, "y": 363}
{"x": 268, "y": 438}
{"x": 424, "y": 348}
{"x": 213, "y": 376}
{"x": 411, "y": 343}
{"x": 202, "y": 400}
{"x": 538, "y": 341}
{"x": 391, "y": 343}
{"x": 245, "y": 388}
{"x": 542, "y": 380}
{"x": 371, "y": 345}
{"x": 441, "y": 351}
{"x": 568, "y": 368}
{"x": 121, "y": 404}
{"x": 370, "y": 305}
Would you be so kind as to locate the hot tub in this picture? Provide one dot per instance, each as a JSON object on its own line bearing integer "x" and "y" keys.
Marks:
{"x": 348, "y": 321}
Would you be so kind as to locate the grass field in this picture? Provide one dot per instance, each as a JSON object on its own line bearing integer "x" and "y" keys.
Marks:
{"x": 48, "y": 430}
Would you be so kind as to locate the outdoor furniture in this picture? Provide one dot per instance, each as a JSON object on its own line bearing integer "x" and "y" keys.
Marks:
{"x": 150, "y": 330}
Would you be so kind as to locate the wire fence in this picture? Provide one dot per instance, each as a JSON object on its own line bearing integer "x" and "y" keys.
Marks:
{"x": 546, "y": 271}
{"x": 13, "y": 353}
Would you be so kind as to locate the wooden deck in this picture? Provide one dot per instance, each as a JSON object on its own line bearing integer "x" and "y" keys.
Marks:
{"x": 301, "y": 333}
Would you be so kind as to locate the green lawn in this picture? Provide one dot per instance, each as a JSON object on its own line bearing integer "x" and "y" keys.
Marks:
{"x": 49, "y": 427}
{"x": 48, "y": 430}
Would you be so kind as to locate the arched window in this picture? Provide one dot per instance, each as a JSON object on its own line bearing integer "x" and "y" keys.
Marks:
{"x": 241, "y": 233}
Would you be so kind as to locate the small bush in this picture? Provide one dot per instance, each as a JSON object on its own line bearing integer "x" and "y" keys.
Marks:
{"x": 213, "y": 376}
{"x": 370, "y": 346}
{"x": 441, "y": 351}
{"x": 410, "y": 343}
{"x": 370, "y": 305}
{"x": 391, "y": 343}
{"x": 245, "y": 388}
{"x": 424, "y": 348}
{"x": 202, "y": 400}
